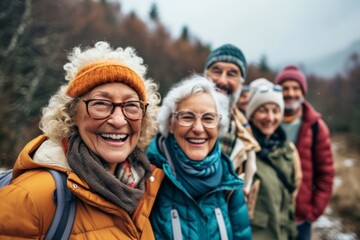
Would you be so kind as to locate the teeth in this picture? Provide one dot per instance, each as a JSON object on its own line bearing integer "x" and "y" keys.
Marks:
{"x": 193, "y": 140}
{"x": 114, "y": 136}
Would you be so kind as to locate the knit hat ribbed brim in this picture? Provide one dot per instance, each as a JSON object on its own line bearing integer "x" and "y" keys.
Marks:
{"x": 228, "y": 53}
{"x": 292, "y": 73}
{"x": 263, "y": 91}
{"x": 98, "y": 73}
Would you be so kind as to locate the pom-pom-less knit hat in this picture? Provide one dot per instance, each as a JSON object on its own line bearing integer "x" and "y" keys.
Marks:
{"x": 228, "y": 53}
{"x": 292, "y": 73}
{"x": 263, "y": 91}
{"x": 100, "y": 72}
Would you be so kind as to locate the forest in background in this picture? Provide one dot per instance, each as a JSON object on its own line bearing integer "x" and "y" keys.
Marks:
{"x": 36, "y": 36}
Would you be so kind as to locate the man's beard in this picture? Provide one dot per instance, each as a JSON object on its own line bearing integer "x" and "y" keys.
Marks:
{"x": 294, "y": 105}
{"x": 233, "y": 97}
{"x": 224, "y": 89}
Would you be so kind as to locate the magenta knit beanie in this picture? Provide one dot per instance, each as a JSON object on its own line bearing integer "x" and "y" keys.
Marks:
{"x": 292, "y": 72}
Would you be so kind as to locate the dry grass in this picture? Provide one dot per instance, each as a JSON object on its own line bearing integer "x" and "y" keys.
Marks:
{"x": 346, "y": 196}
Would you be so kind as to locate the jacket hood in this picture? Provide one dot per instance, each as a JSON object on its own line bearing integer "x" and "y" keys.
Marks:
{"x": 154, "y": 154}
{"x": 39, "y": 153}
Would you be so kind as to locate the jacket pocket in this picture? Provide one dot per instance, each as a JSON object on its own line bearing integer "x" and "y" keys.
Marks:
{"x": 260, "y": 219}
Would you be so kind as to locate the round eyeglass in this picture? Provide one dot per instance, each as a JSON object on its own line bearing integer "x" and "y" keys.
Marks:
{"x": 99, "y": 109}
{"x": 188, "y": 118}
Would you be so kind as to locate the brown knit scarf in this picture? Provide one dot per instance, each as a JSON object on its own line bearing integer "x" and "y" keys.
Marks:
{"x": 93, "y": 170}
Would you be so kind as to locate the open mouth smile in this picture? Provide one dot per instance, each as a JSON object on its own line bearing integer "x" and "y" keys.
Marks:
{"x": 115, "y": 137}
{"x": 196, "y": 140}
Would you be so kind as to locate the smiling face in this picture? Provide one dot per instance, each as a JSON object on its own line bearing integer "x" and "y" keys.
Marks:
{"x": 196, "y": 141}
{"x": 226, "y": 76}
{"x": 267, "y": 118}
{"x": 293, "y": 95}
{"x": 115, "y": 137}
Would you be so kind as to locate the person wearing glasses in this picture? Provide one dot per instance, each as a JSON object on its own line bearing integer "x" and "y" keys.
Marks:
{"x": 96, "y": 128}
{"x": 201, "y": 196}
{"x": 279, "y": 173}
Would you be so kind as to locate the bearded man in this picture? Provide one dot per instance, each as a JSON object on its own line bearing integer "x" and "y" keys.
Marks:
{"x": 305, "y": 127}
{"x": 226, "y": 66}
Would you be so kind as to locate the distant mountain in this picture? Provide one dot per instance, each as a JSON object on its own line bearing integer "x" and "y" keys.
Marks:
{"x": 332, "y": 64}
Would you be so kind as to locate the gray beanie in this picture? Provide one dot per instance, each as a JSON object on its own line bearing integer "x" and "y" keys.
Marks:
{"x": 228, "y": 53}
{"x": 263, "y": 91}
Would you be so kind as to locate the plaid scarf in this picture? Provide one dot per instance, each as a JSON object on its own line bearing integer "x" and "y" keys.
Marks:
{"x": 227, "y": 143}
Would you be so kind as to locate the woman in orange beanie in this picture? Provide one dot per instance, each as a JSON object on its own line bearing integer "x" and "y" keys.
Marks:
{"x": 96, "y": 129}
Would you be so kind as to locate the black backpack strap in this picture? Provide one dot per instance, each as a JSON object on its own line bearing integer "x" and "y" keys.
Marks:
{"x": 314, "y": 129}
{"x": 63, "y": 220}
{"x": 280, "y": 175}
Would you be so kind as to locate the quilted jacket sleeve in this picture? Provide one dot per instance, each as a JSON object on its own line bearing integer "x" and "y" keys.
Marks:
{"x": 239, "y": 217}
{"x": 323, "y": 170}
{"x": 24, "y": 213}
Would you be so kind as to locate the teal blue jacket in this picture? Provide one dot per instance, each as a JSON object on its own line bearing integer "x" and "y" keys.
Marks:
{"x": 198, "y": 218}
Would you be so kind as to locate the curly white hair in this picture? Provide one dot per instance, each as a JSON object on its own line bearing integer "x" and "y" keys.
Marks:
{"x": 58, "y": 118}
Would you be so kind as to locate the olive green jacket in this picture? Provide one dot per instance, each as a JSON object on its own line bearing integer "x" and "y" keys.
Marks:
{"x": 274, "y": 216}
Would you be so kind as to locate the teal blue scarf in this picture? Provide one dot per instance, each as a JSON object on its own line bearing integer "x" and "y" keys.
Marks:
{"x": 197, "y": 177}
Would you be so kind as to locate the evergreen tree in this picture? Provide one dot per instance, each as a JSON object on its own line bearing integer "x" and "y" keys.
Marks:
{"x": 154, "y": 13}
{"x": 263, "y": 65}
{"x": 184, "y": 34}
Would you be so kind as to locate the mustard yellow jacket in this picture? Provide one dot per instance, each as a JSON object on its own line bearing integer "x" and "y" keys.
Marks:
{"x": 27, "y": 206}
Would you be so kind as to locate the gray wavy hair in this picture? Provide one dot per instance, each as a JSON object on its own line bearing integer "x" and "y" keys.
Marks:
{"x": 58, "y": 117}
{"x": 184, "y": 89}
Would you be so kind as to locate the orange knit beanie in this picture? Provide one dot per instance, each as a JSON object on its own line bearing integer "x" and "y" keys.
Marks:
{"x": 101, "y": 72}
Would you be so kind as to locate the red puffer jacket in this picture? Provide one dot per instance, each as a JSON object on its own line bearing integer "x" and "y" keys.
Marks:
{"x": 317, "y": 167}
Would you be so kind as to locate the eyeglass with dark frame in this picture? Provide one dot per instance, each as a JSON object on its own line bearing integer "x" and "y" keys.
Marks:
{"x": 188, "y": 118}
{"x": 99, "y": 109}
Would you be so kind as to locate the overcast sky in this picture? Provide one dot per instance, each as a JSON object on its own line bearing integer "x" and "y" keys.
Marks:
{"x": 283, "y": 30}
